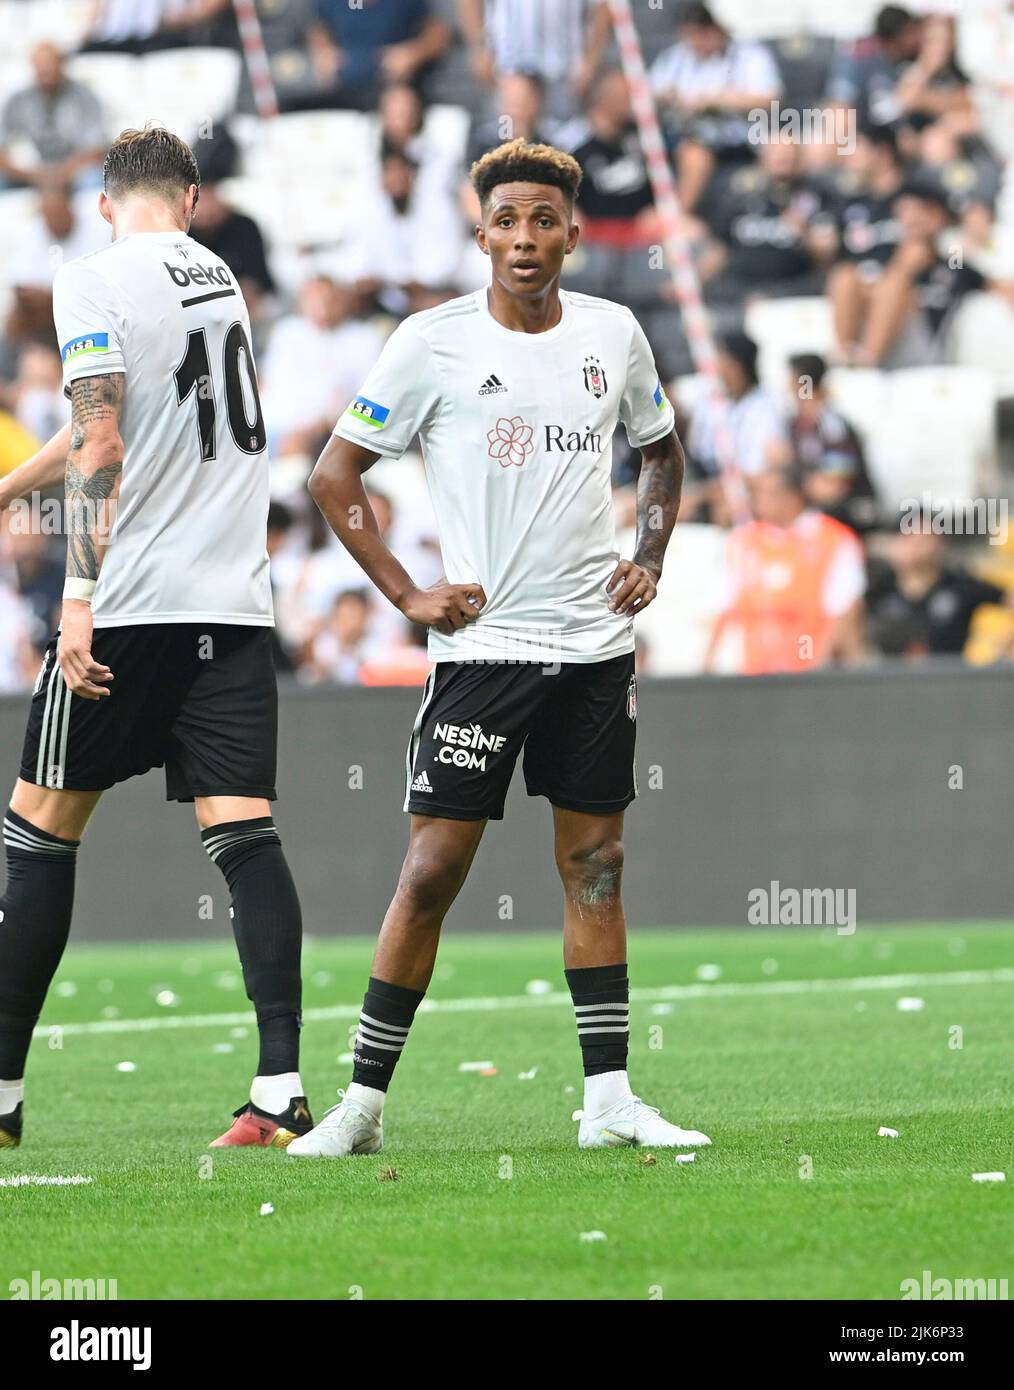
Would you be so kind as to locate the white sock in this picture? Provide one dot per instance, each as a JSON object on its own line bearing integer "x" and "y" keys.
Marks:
{"x": 602, "y": 1092}
{"x": 368, "y": 1097}
{"x": 273, "y": 1093}
{"x": 12, "y": 1093}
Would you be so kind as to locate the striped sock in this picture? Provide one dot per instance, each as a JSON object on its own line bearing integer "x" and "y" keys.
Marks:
{"x": 35, "y": 913}
{"x": 386, "y": 1017}
{"x": 601, "y": 995}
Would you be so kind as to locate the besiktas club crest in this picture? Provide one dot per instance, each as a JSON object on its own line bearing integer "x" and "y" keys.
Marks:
{"x": 594, "y": 377}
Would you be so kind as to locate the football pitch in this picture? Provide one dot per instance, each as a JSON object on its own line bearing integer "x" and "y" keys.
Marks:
{"x": 787, "y": 1046}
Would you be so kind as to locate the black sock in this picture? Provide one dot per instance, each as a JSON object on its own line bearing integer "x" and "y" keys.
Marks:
{"x": 35, "y": 913}
{"x": 386, "y": 1017}
{"x": 601, "y": 995}
{"x": 268, "y": 927}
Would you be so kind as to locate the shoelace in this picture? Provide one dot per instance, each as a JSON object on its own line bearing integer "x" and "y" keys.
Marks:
{"x": 346, "y": 1105}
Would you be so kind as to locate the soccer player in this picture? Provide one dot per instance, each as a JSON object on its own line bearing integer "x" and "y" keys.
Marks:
{"x": 164, "y": 651}
{"x": 515, "y": 392}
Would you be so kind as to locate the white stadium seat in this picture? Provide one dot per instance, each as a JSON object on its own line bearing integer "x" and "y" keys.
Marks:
{"x": 781, "y": 327}
{"x": 189, "y": 89}
{"x": 18, "y": 207}
{"x": 446, "y": 129}
{"x": 928, "y": 430}
{"x": 982, "y": 335}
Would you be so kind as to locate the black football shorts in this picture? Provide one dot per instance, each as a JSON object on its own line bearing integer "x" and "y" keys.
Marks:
{"x": 199, "y": 699}
{"x": 576, "y": 723}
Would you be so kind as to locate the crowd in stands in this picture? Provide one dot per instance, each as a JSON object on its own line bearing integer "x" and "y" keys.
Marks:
{"x": 846, "y": 207}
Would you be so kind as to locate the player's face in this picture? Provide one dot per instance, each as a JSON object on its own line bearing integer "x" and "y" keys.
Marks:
{"x": 526, "y": 232}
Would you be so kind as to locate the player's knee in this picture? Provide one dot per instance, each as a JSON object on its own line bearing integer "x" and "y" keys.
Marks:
{"x": 429, "y": 883}
{"x": 592, "y": 873}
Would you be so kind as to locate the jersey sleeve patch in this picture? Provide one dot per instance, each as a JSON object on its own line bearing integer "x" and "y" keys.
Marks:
{"x": 86, "y": 343}
{"x": 659, "y": 396}
{"x": 369, "y": 412}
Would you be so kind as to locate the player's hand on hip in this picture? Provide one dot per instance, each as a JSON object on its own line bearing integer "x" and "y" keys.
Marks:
{"x": 447, "y": 607}
{"x": 631, "y": 588}
{"x": 84, "y": 675}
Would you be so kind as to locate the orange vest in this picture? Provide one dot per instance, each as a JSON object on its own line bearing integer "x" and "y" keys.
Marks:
{"x": 780, "y": 575}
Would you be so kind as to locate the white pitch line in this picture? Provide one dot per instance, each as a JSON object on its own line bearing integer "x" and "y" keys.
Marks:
{"x": 492, "y": 1003}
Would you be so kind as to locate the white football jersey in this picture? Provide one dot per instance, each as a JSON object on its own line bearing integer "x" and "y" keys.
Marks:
{"x": 516, "y": 432}
{"x": 189, "y": 539}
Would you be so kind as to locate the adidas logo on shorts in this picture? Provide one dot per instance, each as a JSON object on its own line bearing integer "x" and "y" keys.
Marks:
{"x": 492, "y": 386}
{"x": 422, "y": 784}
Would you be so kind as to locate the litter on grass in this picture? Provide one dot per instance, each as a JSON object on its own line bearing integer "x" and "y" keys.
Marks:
{"x": 126, "y": 1066}
{"x": 989, "y": 1177}
{"x": 528, "y": 1075}
{"x": 685, "y": 1158}
{"x": 577, "y": 1115}
{"x": 589, "y": 1236}
{"x": 708, "y": 972}
{"x": 538, "y": 987}
{"x": 909, "y": 1004}
{"x": 474, "y": 1066}
{"x": 223, "y": 1047}
{"x": 884, "y": 1132}
{"x": 267, "y": 1209}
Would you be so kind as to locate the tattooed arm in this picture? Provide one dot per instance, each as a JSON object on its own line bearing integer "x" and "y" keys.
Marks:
{"x": 634, "y": 583}
{"x": 94, "y": 465}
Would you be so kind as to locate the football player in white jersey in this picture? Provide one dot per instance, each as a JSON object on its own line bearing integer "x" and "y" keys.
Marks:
{"x": 514, "y": 392}
{"x": 163, "y": 657}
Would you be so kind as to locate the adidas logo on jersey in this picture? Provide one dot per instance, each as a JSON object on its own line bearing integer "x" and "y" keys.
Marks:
{"x": 422, "y": 784}
{"x": 492, "y": 386}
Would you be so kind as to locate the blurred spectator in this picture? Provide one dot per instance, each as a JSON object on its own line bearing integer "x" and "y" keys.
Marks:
{"x": 902, "y": 317}
{"x": 143, "y": 26}
{"x": 57, "y": 233}
{"x": 921, "y": 606}
{"x": 227, "y": 232}
{"x": 40, "y": 565}
{"x": 563, "y": 42}
{"x": 753, "y": 419}
{"x": 16, "y": 443}
{"x": 313, "y": 366}
{"x": 706, "y": 84}
{"x": 409, "y": 235}
{"x": 793, "y": 585}
{"x": 37, "y": 392}
{"x": 868, "y": 230}
{"x": 615, "y": 199}
{"x": 827, "y": 450}
{"x": 342, "y": 644}
{"x": 52, "y": 131}
{"x": 18, "y": 658}
{"x": 774, "y": 232}
{"x": 904, "y": 74}
{"x": 354, "y": 49}
{"x": 519, "y": 103}
{"x": 280, "y": 521}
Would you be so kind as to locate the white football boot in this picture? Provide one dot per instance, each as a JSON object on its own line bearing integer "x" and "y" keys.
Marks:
{"x": 347, "y": 1128}
{"x": 631, "y": 1122}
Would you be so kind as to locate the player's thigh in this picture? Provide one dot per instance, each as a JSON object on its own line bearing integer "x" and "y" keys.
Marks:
{"x": 61, "y": 813}
{"x": 73, "y": 744}
{"x": 580, "y": 753}
{"x": 471, "y": 726}
{"x": 223, "y": 810}
{"x": 223, "y": 742}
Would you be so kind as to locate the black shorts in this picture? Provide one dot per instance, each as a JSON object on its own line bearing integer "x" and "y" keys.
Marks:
{"x": 199, "y": 698}
{"x": 576, "y": 723}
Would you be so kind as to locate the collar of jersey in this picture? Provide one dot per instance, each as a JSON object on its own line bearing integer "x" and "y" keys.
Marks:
{"x": 550, "y": 335}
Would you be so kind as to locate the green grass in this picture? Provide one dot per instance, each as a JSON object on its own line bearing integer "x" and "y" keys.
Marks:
{"x": 770, "y": 1076}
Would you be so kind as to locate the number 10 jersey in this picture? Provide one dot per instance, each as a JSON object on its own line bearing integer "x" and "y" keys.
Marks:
{"x": 188, "y": 542}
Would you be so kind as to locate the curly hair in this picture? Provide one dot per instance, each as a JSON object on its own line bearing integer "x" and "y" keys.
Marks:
{"x": 518, "y": 161}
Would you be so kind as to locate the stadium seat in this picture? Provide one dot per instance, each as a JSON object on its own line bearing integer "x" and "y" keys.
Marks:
{"x": 17, "y": 210}
{"x": 928, "y": 430}
{"x": 985, "y": 44}
{"x": 782, "y": 327}
{"x": 64, "y": 22}
{"x": 982, "y": 335}
{"x": 190, "y": 88}
{"x": 677, "y": 627}
{"x": 761, "y": 19}
{"x": 446, "y": 129}
{"x": 115, "y": 78}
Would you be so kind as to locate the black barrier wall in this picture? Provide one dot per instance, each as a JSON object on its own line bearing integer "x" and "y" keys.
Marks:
{"x": 897, "y": 784}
